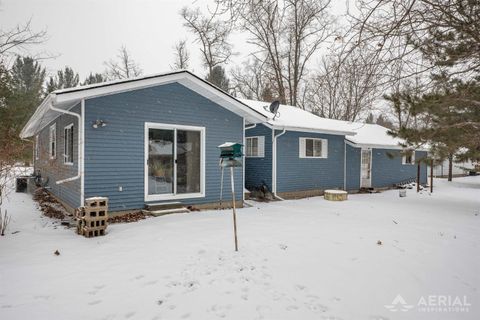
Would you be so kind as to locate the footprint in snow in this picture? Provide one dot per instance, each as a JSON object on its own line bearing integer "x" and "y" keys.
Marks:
{"x": 150, "y": 283}
{"x": 300, "y": 287}
{"x": 291, "y": 308}
{"x": 129, "y": 315}
{"x": 186, "y": 315}
{"x": 6, "y": 306}
{"x": 92, "y": 303}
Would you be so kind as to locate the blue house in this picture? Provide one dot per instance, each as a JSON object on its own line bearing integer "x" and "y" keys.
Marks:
{"x": 139, "y": 141}
{"x": 296, "y": 154}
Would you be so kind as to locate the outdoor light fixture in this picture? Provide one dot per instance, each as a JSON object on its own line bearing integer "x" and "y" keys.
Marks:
{"x": 99, "y": 123}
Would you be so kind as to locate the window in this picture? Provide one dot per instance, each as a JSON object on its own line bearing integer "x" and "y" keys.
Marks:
{"x": 408, "y": 157}
{"x": 313, "y": 148}
{"x": 53, "y": 141}
{"x": 68, "y": 144}
{"x": 36, "y": 147}
{"x": 255, "y": 147}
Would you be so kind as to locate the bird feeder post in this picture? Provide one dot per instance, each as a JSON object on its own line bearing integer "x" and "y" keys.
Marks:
{"x": 231, "y": 157}
{"x": 233, "y": 207}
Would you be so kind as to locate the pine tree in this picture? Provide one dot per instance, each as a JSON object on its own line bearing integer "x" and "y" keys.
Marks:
{"x": 94, "y": 78}
{"x": 64, "y": 79}
{"x": 219, "y": 78}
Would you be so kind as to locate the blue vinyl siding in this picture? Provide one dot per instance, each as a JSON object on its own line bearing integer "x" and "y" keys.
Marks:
{"x": 115, "y": 154}
{"x": 302, "y": 174}
{"x": 388, "y": 170}
{"x": 353, "y": 168}
{"x": 259, "y": 170}
{"x": 53, "y": 170}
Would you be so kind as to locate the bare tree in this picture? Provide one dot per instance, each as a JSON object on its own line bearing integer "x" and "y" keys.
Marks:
{"x": 250, "y": 81}
{"x": 212, "y": 33}
{"x": 122, "y": 68}
{"x": 286, "y": 35}
{"x": 19, "y": 38}
{"x": 346, "y": 86}
{"x": 424, "y": 35}
{"x": 182, "y": 56}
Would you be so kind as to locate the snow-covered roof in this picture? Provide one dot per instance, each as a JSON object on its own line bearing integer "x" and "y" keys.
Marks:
{"x": 357, "y": 133}
{"x": 375, "y": 136}
{"x": 296, "y": 119}
{"x": 67, "y": 98}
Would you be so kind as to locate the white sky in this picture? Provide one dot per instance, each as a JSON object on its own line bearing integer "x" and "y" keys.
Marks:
{"x": 83, "y": 34}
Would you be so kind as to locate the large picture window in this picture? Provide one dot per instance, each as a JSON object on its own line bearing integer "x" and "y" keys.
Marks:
{"x": 313, "y": 148}
{"x": 255, "y": 147}
{"x": 53, "y": 141}
{"x": 68, "y": 144}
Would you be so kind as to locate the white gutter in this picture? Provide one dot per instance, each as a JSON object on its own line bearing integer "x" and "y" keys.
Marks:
{"x": 251, "y": 127}
{"x": 345, "y": 165}
{"x": 80, "y": 143}
{"x": 274, "y": 162}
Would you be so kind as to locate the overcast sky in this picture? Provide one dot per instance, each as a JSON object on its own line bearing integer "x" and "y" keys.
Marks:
{"x": 84, "y": 33}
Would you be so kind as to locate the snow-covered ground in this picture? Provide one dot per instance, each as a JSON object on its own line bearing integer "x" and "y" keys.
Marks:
{"x": 303, "y": 259}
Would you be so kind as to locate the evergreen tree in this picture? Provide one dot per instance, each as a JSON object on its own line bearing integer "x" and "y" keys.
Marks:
{"x": 384, "y": 122}
{"x": 66, "y": 78}
{"x": 219, "y": 78}
{"x": 370, "y": 119}
{"x": 27, "y": 79}
{"x": 454, "y": 120}
{"x": 94, "y": 78}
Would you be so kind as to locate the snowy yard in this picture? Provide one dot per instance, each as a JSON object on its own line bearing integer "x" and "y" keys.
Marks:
{"x": 304, "y": 259}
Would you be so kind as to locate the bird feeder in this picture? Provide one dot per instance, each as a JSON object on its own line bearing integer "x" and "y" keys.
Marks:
{"x": 231, "y": 154}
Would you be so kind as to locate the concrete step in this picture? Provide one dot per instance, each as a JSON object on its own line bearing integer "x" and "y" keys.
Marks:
{"x": 163, "y": 206}
{"x": 158, "y": 213}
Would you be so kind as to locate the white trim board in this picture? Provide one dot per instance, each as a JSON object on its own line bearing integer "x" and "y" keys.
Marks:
{"x": 174, "y": 195}
{"x": 68, "y": 97}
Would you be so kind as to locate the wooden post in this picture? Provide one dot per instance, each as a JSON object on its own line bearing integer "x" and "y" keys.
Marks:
{"x": 233, "y": 206}
{"x": 221, "y": 188}
{"x": 431, "y": 176}
{"x": 418, "y": 177}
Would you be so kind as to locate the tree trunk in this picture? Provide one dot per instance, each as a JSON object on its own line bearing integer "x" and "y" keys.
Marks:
{"x": 450, "y": 167}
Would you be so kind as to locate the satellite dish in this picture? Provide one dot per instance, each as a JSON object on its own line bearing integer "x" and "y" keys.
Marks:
{"x": 274, "y": 106}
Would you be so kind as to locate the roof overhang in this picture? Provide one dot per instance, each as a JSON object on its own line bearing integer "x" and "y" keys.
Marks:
{"x": 299, "y": 129}
{"x": 380, "y": 146}
{"x": 68, "y": 98}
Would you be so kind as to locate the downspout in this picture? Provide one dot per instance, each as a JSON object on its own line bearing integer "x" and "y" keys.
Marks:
{"x": 344, "y": 165}
{"x": 80, "y": 142}
{"x": 274, "y": 162}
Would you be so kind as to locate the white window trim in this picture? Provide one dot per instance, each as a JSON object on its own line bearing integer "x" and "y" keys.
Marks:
{"x": 171, "y": 196}
{"x": 302, "y": 153}
{"x": 70, "y": 163}
{"x": 53, "y": 128}
{"x": 260, "y": 146}
{"x": 404, "y": 159}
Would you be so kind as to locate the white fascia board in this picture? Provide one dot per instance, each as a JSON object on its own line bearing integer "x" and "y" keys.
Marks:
{"x": 332, "y": 132}
{"x": 29, "y": 128}
{"x": 188, "y": 80}
{"x": 379, "y": 146}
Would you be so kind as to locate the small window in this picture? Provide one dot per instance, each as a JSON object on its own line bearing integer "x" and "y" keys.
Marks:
{"x": 68, "y": 144}
{"x": 255, "y": 147}
{"x": 36, "y": 148}
{"x": 408, "y": 157}
{"x": 313, "y": 148}
{"x": 53, "y": 141}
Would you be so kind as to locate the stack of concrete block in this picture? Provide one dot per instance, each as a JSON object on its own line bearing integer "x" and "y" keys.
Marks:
{"x": 92, "y": 219}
